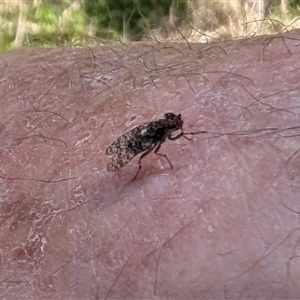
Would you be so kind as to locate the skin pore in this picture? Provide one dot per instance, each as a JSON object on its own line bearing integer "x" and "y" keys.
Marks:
{"x": 222, "y": 224}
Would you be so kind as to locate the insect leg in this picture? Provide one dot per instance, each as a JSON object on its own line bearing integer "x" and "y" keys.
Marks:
{"x": 140, "y": 160}
{"x": 176, "y": 137}
{"x": 163, "y": 155}
{"x": 184, "y": 134}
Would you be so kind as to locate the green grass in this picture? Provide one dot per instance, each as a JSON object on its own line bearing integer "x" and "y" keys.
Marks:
{"x": 53, "y": 23}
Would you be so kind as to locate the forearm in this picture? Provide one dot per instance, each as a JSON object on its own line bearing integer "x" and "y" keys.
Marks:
{"x": 224, "y": 218}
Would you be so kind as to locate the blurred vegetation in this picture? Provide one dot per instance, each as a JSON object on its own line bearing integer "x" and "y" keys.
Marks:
{"x": 295, "y": 4}
{"x": 130, "y": 18}
{"x": 79, "y": 22}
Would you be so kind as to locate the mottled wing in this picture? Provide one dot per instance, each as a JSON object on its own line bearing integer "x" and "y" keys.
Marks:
{"x": 120, "y": 143}
{"x": 127, "y": 146}
{"x": 119, "y": 160}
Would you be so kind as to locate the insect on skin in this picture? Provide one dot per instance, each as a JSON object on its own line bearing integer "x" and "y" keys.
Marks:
{"x": 145, "y": 138}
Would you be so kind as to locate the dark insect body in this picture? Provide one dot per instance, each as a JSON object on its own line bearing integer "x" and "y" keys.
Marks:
{"x": 146, "y": 137}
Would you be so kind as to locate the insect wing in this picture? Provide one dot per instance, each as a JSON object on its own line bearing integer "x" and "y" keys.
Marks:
{"x": 127, "y": 146}
{"x": 119, "y": 144}
{"x": 119, "y": 160}
{"x": 127, "y": 140}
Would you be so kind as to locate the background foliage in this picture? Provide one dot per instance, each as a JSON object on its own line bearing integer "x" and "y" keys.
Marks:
{"x": 60, "y": 22}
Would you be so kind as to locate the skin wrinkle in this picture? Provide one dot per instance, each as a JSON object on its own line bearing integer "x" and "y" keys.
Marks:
{"x": 72, "y": 230}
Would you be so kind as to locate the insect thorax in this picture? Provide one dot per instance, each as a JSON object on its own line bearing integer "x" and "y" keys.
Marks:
{"x": 155, "y": 131}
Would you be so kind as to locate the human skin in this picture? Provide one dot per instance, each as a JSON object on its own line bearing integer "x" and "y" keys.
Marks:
{"x": 223, "y": 223}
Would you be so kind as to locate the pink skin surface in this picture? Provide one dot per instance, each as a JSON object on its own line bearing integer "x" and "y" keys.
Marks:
{"x": 224, "y": 223}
